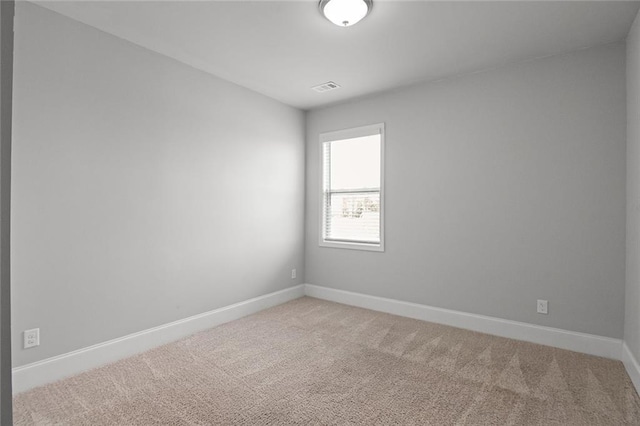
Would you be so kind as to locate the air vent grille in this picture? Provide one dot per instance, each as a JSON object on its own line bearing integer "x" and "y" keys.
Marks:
{"x": 325, "y": 87}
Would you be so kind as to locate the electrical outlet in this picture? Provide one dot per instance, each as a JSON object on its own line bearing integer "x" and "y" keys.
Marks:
{"x": 31, "y": 338}
{"x": 543, "y": 306}
{"x": 293, "y": 274}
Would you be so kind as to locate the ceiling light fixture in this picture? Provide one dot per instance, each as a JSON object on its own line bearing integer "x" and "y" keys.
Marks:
{"x": 345, "y": 13}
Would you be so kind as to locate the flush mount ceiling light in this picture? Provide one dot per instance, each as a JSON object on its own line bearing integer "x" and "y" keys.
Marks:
{"x": 345, "y": 13}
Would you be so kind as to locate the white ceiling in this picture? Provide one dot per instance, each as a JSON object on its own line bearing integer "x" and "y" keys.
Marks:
{"x": 283, "y": 48}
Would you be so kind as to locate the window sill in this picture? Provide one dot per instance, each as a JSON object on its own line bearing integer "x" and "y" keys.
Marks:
{"x": 353, "y": 246}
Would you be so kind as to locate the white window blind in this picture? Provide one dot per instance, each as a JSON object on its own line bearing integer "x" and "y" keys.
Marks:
{"x": 352, "y": 188}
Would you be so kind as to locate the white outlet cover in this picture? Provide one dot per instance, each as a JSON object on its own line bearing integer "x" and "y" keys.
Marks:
{"x": 543, "y": 306}
{"x": 293, "y": 273}
{"x": 31, "y": 338}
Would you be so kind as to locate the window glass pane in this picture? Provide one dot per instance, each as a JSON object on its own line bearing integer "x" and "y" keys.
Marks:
{"x": 352, "y": 181}
{"x": 354, "y": 217}
{"x": 355, "y": 163}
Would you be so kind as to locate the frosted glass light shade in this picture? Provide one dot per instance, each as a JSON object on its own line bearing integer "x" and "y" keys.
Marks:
{"x": 345, "y": 13}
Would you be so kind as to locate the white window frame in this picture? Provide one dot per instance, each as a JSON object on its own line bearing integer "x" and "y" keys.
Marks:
{"x": 350, "y": 134}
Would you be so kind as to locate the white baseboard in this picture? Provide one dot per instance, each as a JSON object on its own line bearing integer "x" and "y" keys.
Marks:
{"x": 61, "y": 366}
{"x": 564, "y": 339}
{"x": 65, "y": 365}
{"x": 632, "y": 366}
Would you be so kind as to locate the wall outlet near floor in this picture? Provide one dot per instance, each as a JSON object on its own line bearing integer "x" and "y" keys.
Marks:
{"x": 293, "y": 274}
{"x": 543, "y": 306}
{"x": 31, "y": 338}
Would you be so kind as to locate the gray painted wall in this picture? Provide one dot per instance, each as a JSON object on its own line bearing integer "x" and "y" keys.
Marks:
{"x": 502, "y": 187}
{"x": 6, "y": 84}
{"x": 144, "y": 191}
{"x": 632, "y": 298}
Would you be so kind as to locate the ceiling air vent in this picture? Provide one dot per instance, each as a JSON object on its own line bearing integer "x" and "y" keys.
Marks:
{"x": 325, "y": 87}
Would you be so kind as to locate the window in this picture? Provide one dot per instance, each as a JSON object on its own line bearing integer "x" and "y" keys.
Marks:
{"x": 352, "y": 188}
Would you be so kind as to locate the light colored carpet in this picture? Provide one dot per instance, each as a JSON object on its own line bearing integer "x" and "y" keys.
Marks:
{"x": 316, "y": 362}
